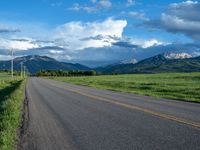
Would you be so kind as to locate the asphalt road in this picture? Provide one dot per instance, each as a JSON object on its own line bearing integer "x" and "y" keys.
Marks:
{"x": 63, "y": 116}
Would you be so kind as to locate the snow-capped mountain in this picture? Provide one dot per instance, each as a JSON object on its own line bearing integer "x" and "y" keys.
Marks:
{"x": 172, "y": 55}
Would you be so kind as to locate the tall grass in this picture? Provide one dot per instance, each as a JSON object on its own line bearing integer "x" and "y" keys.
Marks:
{"x": 11, "y": 100}
{"x": 179, "y": 86}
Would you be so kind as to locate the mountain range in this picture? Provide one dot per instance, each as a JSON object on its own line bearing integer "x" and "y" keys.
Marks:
{"x": 157, "y": 64}
{"x": 35, "y": 63}
{"x": 166, "y": 62}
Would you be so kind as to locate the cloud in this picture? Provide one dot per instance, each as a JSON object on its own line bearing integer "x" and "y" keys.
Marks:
{"x": 94, "y": 57}
{"x": 138, "y": 43}
{"x": 180, "y": 18}
{"x": 77, "y": 7}
{"x": 104, "y": 4}
{"x": 125, "y": 44}
{"x": 4, "y": 28}
{"x": 56, "y": 51}
{"x": 130, "y": 3}
{"x": 16, "y": 44}
{"x": 137, "y": 15}
{"x": 150, "y": 43}
{"x": 5, "y": 57}
{"x": 91, "y": 43}
{"x": 77, "y": 35}
{"x": 92, "y": 8}
{"x": 9, "y": 30}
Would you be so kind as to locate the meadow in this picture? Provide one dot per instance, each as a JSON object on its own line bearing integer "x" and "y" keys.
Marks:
{"x": 11, "y": 101}
{"x": 177, "y": 86}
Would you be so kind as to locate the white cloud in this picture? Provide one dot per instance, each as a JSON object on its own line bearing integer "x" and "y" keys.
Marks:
{"x": 17, "y": 45}
{"x": 55, "y": 51}
{"x": 150, "y": 43}
{"x": 186, "y": 3}
{"x": 144, "y": 43}
{"x": 5, "y": 57}
{"x": 24, "y": 45}
{"x": 71, "y": 35}
{"x": 78, "y": 7}
{"x": 104, "y": 4}
{"x": 94, "y": 7}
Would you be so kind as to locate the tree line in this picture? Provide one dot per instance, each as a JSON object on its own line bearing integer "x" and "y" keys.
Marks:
{"x": 61, "y": 73}
{"x": 15, "y": 72}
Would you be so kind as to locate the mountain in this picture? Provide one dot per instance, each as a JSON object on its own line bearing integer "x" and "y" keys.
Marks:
{"x": 157, "y": 64}
{"x": 177, "y": 55}
{"x": 35, "y": 63}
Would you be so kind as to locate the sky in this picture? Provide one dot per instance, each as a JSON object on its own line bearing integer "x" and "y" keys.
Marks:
{"x": 99, "y": 32}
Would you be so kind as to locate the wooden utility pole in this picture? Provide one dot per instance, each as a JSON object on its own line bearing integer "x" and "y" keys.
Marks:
{"x": 24, "y": 71}
{"x": 12, "y": 63}
{"x": 21, "y": 69}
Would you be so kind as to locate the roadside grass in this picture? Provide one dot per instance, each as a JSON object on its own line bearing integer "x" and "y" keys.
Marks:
{"x": 11, "y": 100}
{"x": 178, "y": 86}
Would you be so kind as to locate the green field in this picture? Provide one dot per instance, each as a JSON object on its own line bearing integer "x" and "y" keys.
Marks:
{"x": 11, "y": 100}
{"x": 179, "y": 86}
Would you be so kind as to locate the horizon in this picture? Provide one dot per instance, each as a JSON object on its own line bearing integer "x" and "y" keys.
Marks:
{"x": 99, "y": 32}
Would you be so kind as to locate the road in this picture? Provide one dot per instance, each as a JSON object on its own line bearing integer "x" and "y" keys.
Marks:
{"x": 63, "y": 116}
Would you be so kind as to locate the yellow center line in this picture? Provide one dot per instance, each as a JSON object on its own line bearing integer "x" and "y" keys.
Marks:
{"x": 138, "y": 108}
{"x": 130, "y": 106}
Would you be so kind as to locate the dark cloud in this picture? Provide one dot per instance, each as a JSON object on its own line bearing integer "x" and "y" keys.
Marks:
{"x": 102, "y": 56}
{"x": 179, "y": 18}
{"x": 188, "y": 10}
{"x": 9, "y": 30}
{"x": 100, "y": 37}
{"x": 125, "y": 44}
{"x": 4, "y": 52}
{"x": 21, "y": 40}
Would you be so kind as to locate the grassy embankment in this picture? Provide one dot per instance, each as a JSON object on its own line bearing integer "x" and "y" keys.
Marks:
{"x": 11, "y": 100}
{"x": 179, "y": 86}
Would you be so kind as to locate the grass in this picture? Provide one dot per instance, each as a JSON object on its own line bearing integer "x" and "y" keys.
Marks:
{"x": 11, "y": 100}
{"x": 179, "y": 86}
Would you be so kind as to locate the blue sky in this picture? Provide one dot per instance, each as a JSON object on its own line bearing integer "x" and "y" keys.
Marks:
{"x": 98, "y": 32}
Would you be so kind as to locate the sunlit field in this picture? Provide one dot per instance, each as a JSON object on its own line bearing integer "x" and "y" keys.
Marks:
{"x": 179, "y": 86}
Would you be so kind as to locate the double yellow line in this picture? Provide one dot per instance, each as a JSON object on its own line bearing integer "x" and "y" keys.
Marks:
{"x": 138, "y": 108}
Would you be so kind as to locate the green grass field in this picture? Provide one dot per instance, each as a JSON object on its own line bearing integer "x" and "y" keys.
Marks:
{"x": 11, "y": 100}
{"x": 179, "y": 86}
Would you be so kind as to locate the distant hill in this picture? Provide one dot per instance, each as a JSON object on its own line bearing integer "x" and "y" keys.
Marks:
{"x": 157, "y": 64}
{"x": 35, "y": 63}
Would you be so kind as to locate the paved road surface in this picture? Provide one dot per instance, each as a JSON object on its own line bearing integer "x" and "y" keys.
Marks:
{"x": 63, "y": 116}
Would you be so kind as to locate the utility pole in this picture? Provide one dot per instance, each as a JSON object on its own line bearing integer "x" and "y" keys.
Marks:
{"x": 21, "y": 69}
{"x": 24, "y": 71}
{"x": 12, "y": 63}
